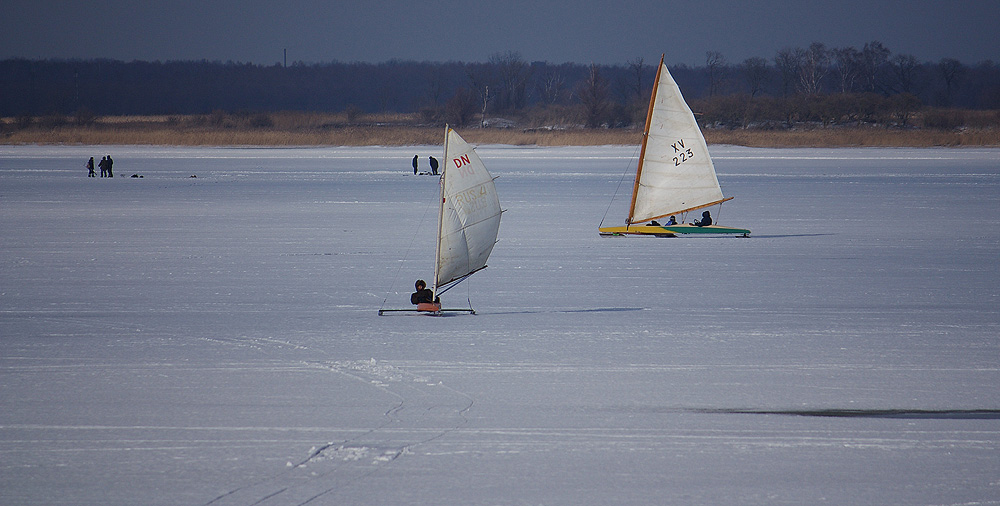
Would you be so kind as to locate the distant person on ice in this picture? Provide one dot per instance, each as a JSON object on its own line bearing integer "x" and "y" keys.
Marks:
{"x": 434, "y": 165}
{"x": 706, "y": 220}
{"x": 415, "y": 164}
{"x": 110, "y": 163}
{"x": 103, "y": 164}
{"x": 423, "y": 294}
{"x": 90, "y": 168}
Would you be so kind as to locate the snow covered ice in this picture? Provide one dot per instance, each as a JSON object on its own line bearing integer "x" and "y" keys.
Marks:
{"x": 214, "y": 340}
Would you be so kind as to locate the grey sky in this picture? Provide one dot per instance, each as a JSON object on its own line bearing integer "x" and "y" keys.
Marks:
{"x": 578, "y": 31}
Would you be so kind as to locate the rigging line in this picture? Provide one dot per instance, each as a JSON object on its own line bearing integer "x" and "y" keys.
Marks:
{"x": 468, "y": 294}
{"x": 453, "y": 283}
{"x": 406, "y": 254}
{"x": 620, "y": 181}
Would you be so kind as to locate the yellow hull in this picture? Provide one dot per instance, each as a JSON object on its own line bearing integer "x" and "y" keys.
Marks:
{"x": 671, "y": 231}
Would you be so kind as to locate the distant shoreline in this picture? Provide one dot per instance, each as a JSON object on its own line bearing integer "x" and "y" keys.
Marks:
{"x": 333, "y": 130}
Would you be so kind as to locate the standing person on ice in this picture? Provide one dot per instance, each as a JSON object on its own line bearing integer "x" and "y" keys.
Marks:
{"x": 415, "y": 164}
{"x": 434, "y": 165}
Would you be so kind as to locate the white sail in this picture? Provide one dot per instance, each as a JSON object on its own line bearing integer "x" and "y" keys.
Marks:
{"x": 676, "y": 171}
{"x": 470, "y": 213}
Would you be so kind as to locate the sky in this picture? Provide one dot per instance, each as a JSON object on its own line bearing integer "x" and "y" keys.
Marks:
{"x": 556, "y": 31}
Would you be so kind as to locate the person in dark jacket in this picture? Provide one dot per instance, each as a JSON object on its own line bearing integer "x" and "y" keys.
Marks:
{"x": 110, "y": 163}
{"x": 103, "y": 164}
{"x": 706, "y": 220}
{"x": 434, "y": 165}
{"x": 90, "y": 168}
{"x": 423, "y": 294}
{"x": 415, "y": 164}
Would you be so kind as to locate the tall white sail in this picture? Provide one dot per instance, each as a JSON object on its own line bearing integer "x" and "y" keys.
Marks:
{"x": 676, "y": 172}
{"x": 470, "y": 213}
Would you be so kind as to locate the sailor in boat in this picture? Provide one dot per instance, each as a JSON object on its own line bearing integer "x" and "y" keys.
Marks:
{"x": 706, "y": 220}
{"x": 423, "y": 295}
{"x": 671, "y": 221}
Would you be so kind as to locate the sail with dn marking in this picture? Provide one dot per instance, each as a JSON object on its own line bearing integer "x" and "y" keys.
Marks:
{"x": 469, "y": 218}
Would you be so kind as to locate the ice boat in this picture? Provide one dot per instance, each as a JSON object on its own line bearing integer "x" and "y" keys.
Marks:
{"x": 675, "y": 174}
{"x": 468, "y": 221}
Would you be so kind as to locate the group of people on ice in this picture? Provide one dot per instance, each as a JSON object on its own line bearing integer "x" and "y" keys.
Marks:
{"x": 433, "y": 162}
{"x": 105, "y": 165}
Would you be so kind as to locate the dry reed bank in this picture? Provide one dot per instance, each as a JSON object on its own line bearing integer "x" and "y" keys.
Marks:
{"x": 315, "y": 129}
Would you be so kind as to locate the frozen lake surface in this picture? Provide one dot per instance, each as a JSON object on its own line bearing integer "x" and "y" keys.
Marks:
{"x": 214, "y": 340}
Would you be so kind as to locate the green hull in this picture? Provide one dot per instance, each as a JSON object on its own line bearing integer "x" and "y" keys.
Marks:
{"x": 672, "y": 230}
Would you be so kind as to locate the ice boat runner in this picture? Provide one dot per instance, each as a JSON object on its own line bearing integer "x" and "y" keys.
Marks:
{"x": 468, "y": 221}
{"x": 675, "y": 174}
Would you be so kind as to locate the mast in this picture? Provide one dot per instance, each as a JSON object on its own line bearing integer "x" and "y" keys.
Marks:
{"x": 645, "y": 136}
{"x": 437, "y": 247}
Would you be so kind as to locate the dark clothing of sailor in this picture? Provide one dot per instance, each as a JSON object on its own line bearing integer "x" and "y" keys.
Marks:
{"x": 706, "y": 220}
{"x": 423, "y": 294}
{"x": 671, "y": 221}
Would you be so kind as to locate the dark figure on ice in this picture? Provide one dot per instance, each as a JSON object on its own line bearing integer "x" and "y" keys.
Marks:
{"x": 706, "y": 220}
{"x": 434, "y": 165}
{"x": 415, "y": 164}
{"x": 110, "y": 163}
{"x": 423, "y": 294}
{"x": 103, "y": 164}
{"x": 90, "y": 168}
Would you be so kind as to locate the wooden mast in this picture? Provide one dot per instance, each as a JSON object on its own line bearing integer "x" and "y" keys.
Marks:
{"x": 437, "y": 248}
{"x": 645, "y": 136}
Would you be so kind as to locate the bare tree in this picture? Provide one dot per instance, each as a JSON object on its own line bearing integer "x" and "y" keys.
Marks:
{"x": 787, "y": 62}
{"x": 551, "y": 87}
{"x": 815, "y": 64}
{"x": 594, "y": 97}
{"x": 512, "y": 79}
{"x": 904, "y": 68}
{"x": 480, "y": 80}
{"x": 716, "y": 64}
{"x": 636, "y": 67}
{"x": 435, "y": 86}
{"x": 874, "y": 57}
{"x": 755, "y": 72}
{"x": 849, "y": 64}
{"x": 461, "y": 108}
{"x": 951, "y": 70}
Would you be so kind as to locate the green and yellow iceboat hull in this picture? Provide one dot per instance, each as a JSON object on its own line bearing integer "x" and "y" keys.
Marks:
{"x": 671, "y": 230}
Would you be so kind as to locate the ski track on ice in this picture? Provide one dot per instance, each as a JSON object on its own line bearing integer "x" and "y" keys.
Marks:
{"x": 335, "y": 465}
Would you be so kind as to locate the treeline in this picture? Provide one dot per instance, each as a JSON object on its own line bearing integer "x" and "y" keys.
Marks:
{"x": 814, "y": 84}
